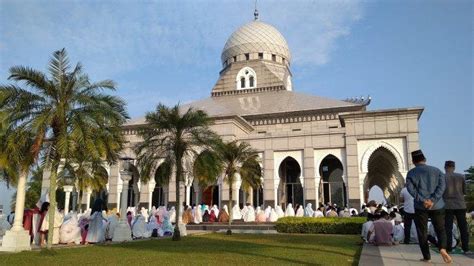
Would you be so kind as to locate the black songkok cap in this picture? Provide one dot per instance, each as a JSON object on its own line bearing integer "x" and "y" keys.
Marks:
{"x": 449, "y": 164}
{"x": 417, "y": 156}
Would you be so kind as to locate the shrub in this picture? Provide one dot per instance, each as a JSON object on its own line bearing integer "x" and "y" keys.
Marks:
{"x": 325, "y": 225}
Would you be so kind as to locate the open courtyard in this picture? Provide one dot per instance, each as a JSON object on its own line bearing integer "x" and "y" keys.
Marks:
{"x": 205, "y": 249}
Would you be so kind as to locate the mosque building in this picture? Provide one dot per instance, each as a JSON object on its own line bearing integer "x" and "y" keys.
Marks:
{"x": 313, "y": 149}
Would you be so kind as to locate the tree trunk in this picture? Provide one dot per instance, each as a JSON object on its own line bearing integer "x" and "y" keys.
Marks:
{"x": 179, "y": 169}
{"x": 231, "y": 203}
{"x": 52, "y": 203}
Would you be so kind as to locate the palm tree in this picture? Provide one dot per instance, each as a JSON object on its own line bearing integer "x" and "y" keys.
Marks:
{"x": 234, "y": 159}
{"x": 173, "y": 136}
{"x": 64, "y": 113}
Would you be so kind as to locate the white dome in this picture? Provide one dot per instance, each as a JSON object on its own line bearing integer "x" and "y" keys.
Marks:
{"x": 255, "y": 37}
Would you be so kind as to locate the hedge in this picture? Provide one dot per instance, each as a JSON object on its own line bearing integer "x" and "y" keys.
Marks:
{"x": 323, "y": 225}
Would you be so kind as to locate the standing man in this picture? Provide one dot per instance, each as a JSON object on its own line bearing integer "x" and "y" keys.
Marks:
{"x": 427, "y": 184}
{"x": 408, "y": 213}
{"x": 455, "y": 206}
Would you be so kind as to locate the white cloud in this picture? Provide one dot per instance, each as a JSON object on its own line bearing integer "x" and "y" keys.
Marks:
{"x": 112, "y": 37}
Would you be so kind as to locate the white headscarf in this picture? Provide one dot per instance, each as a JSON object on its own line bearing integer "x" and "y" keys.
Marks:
{"x": 308, "y": 211}
{"x": 300, "y": 211}
{"x": 249, "y": 215}
{"x": 226, "y": 209}
{"x": 273, "y": 216}
{"x": 279, "y": 211}
{"x": 268, "y": 212}
{"x": 290, "y": 212}
{"x": 236, "y": 213}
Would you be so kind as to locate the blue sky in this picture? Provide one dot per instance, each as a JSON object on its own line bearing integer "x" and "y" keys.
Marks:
{"x": 402, "y": 53}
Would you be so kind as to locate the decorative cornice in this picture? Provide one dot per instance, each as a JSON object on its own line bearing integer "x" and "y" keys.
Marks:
{"x": 359, "y": 100}
{"x": 244, "y": 91}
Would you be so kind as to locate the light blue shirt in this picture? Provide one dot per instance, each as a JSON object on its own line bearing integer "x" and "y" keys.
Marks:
{"x": 426, "y": 182}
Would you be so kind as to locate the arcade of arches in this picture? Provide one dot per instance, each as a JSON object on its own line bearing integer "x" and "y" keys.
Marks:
{"x": 383, "y": 181}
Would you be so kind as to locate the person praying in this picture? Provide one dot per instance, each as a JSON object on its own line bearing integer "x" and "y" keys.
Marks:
{"x": 382, "y": 229}
{"x": 223, "y": 215}
{"x": 96, "y": 229}
{"x": 70, "y": 232}
{"x": 290, "y": 212}
{"x": 308, "y": 211}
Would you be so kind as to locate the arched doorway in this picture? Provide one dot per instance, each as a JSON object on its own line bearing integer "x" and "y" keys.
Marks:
{"x": 133, "y": 189}
{"x": 383, "y": 173}
{"x": 290, "y": 189}
{"x": 210, "y": 195}
{"x": 258, "y": 196}
{"x": 332, "y": 188}
{"x": 158, "y": 195}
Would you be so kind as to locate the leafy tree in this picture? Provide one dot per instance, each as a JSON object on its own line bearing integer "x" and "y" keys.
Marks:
{"x": 173, "y": 136}
{"x": 64, "y": 114}
{"x": 232, "y": 159}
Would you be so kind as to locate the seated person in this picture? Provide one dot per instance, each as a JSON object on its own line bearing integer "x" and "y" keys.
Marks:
{"x": 212, "y": 217}
{"x": 365, "y": 228}
{"x": 70, "y": 232}
{"x": 398, "y": 230}
{"x": 206, "y": 216}
{"x": 382, "y": 228}
{"x": 223, "y": 215}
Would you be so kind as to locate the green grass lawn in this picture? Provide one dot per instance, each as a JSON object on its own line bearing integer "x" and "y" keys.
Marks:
{"x": 241, "y": 249}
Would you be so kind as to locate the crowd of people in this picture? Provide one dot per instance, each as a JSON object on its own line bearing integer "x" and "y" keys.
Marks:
{"x": 433, "y": 212}
{"x": 431, "y": 201}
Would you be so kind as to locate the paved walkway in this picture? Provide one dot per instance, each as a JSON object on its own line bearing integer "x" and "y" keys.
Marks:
{"x": 405, "y": 255}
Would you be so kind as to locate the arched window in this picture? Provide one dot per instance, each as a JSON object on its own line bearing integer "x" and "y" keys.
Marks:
{"x": 246, "y": 79}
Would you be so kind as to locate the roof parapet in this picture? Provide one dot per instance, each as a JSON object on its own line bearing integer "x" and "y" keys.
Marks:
{"x": 359, "y": 100}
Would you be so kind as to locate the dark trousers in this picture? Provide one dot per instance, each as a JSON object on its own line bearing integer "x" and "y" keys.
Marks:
{"x": 460, "y": 215}
{"x": 421, "y": 222}
{"x": 407, "y": 221}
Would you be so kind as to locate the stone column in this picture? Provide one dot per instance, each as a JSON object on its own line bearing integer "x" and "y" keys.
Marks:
{"x": 188, "y": 195}
{"x": 151, "y": 188}
{"x": 276, "y": 182}
{"x": 123, "y": 232}
{"x": 250, "y": 197}
{"x": 17, "y": 238}
{"x": 235, "y": 189}
{"x": 88, "y": 198}
{"x": 316, "y": 185}
{"x": 68, "y": 190}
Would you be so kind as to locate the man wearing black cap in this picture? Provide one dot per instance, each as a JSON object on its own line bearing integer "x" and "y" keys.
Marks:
{"x": 455, "y": 206}
{"x": 427, "y": 184}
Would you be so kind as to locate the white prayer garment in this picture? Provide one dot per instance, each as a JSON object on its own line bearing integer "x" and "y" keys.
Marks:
{"x": 352, "y": 209}
{"x": 308, "y": 211}
{"x": 172, "y": 214}
{"x": 249, "y": 215}
{"x": 70, "y": 232}
{"x": 58, "y": 220}
{"x": 318, "y": 214}
{"x": 279, "y": 211}
{"x": 365, "y": 231}
{"x": 216, "y": 210}
{"x": 4, "y": 225}
{"x": 198, "y": 215}
{"x": 96, "y": 231}
{"x": 273, "y": 216}
{"x": 244, "y": 211}
{"x": 139, "y": 228}
{"x": 236, "y": 213}
{"x": 300, "y": 211}
{"x": 268, "y": 212}
{"x": 290, "y": 212}
{"x": 398, "y": 233}
{"x": 112, "y": 222}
